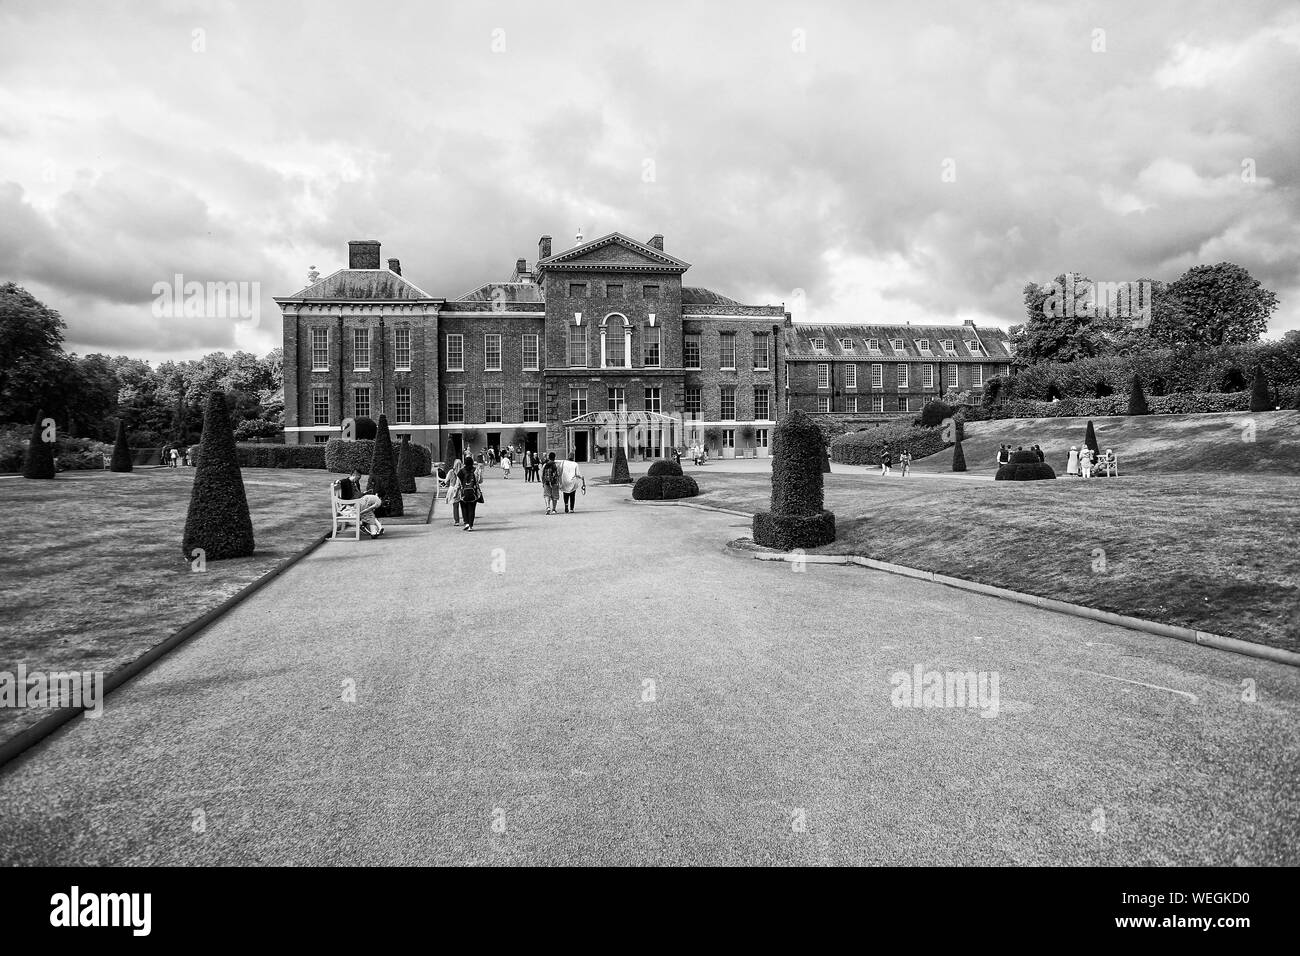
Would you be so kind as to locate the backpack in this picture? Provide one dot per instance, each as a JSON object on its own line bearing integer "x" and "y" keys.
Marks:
{"x": 550, "y": 473}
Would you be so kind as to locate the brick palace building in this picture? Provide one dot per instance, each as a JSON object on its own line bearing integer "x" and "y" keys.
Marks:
{"x": 597, "y": 346}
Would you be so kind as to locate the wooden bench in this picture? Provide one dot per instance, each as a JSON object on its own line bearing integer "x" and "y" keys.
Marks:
{"x": 344, "y": 511}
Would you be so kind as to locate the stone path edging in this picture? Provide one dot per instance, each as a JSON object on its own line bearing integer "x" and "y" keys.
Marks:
{"x": 1188, "y": 634}
{"x": 47, "y": 725}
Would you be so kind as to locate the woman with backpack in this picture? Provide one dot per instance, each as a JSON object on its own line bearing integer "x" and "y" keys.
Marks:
{"x": 551, "y": 483}
{"x": 471, "y": 492}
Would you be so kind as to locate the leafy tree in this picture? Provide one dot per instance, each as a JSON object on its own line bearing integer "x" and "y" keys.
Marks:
{"x": 382, "y": 480}
{"x": 39, "y": 461}
{"x": 1062, "y": 323}
{"x": 121, "y": 450}
{"x": 1220, "y": 304}
{"x": 31, "y": 353}
{"x": 218, "y": 520}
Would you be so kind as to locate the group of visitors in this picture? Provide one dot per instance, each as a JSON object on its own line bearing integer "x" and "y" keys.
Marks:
{"x": 699, "y": 454}
{"x": 173, "y": 457}
{"x": 1085, "y": 462}
{"x": 558, "y": 478}
{"x": 1082, "y": 463}
{"x": 887, "y": 462}
{"x": 1005, "y": 452}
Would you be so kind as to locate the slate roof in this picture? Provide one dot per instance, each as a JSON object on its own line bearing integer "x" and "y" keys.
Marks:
{"x": 505, "y": 292}
{"x": 362, "y": 284}
{"x": 694, "y": 295}
{"x": 993, "y": 343}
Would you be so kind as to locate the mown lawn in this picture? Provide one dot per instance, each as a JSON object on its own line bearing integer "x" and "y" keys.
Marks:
{"x": 92, "y": 573}
{"x": 1215, "y": 552}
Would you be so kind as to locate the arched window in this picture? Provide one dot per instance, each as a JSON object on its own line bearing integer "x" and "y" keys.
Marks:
{"x": 616, "y": 341}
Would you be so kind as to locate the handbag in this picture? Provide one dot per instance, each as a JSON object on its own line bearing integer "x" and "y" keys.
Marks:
{"x": 479, "y": 496}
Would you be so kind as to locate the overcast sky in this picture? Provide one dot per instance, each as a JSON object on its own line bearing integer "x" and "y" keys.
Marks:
{"x": 792, "y": 152}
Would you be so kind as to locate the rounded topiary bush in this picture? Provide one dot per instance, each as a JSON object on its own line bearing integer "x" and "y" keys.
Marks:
{"x": 364, "y": 429}
{"x": 620, "y": 474}
{"x": 664, "y": 467}
{"x": 679, "y": 486}
{"x": 797, "y": 518}
{"x": 218, "y": 519}
{"x": 648, "y": 488}
{"x": 1025, "y": 466}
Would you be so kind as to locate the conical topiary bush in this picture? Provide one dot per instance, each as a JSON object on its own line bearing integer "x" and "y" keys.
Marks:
{"x": 218, "y": 519}
{"x": 382, "y": 480}
{"x": 1137, "y": 399}
{"x": 958, "y": 458}
{"x": 406, "y": 467}
{"x": 1260, "y": 400}
{"x": 797, "y": 518}
{"x": 1090, "y": 438}
{"x": 39, "y": 460}
{"x": 826, "y": 458}
{"x": 620, "y": 475}
{"x": 121, "y": 450}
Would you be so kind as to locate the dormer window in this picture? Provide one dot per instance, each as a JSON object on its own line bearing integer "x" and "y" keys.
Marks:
{"x": 897, "y": 345}
{"x": 873, "y": 345}
{"x": 819, "y": 345}
{"x": 974, "y": 346}
{"x": 949, "y": 346}
{"x": 923, "y": 346}
{"x": 846, "y": 345}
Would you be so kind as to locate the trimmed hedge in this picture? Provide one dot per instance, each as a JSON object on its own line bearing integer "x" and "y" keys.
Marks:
{"x": 381, "y": 479}
{"x": 797, "y": 518}
{"x": 1025, "y": 466}
{"x": 1180, "y": 403}
{"x": 39, "y": 459}
{"x": 648, "y": 488}
{"x": 664, "y": 487}
{"x": 865, "y": 447}
{"x": 121, "y": 450}
{"x": 342, "y": 456}
{"x": 787, "y": 532}
{"x": 218, "y": 519}
{"x": 256, "y": 455}
{"x": 664, "y": 467}
{"x": 620, "y": 474}
{"x": 679, "y": 486}
{"x": 405, "y": 467}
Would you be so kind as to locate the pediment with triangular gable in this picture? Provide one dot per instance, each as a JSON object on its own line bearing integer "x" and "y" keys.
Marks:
{"x": 614, "y": 251}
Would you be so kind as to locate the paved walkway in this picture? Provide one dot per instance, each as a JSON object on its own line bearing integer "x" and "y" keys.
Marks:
{"x": 504, "y": 714}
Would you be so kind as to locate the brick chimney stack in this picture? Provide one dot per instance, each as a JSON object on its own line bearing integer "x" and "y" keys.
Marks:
{"x": 395, "y": 265}
{"x": 544, "y": 247}
{"x": 363, "y": 254}
{"x": 521, "y": 266}
{"x": 656, "y": 242}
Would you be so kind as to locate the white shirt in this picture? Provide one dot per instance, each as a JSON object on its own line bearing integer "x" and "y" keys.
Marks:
{"x": 570, "y": 476}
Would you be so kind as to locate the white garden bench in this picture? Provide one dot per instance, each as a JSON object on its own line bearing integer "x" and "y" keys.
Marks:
{"x": 344, "y": 512}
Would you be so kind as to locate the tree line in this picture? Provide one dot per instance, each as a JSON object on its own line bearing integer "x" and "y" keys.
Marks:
{"x": 87, "y": 394}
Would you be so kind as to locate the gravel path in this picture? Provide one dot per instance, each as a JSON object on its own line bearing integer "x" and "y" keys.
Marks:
{"x": 615, "y": 686}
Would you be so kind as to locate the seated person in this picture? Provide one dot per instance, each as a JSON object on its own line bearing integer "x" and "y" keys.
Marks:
{"x": 350, "y": 490}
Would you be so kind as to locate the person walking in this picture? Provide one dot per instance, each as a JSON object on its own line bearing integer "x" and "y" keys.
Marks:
{"x": 453, "y": 492}
{"x": 885, "y": 462}
{"x": 174, "y": 456}
{"x": 570, "y": 475}
{"x": 1072, "y": 465}
{"x": 551, "y": 483}
{"x": 528, "y": 465}
{"x": 1039, "y": 452}
{"x": 905, "y": 459}
{"x": 506, "y": 464}
{"x": 471, "y": 493}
